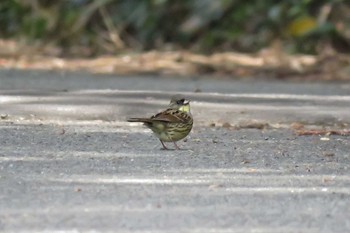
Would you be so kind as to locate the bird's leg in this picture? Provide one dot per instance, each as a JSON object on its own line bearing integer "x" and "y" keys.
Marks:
{"x": 177, "y": 148}
{"x": 165, "y": 148}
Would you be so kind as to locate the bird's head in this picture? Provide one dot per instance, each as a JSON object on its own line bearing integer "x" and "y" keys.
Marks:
{"x": 180, "y": 103}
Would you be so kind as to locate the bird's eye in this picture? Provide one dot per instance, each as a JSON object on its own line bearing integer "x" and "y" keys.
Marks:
{"x": 181, "y": 101}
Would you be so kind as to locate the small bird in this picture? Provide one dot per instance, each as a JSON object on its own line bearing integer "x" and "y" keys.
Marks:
{"x": 171, "y": 125}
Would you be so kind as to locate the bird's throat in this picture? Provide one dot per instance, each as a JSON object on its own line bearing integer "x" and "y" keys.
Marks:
{"x": 185, "y": 108}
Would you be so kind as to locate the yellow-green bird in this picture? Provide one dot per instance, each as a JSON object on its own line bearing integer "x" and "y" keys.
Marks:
{"x": 171, "y": 125}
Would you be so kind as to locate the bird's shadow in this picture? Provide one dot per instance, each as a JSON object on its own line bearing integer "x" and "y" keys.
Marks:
{"x": 174, "y": 149}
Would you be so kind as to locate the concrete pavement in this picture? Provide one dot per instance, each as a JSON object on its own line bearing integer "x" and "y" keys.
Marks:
{"x": 69, "y": 161}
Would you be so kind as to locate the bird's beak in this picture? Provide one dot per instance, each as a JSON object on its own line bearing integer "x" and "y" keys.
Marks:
{"x": 187, "y": 102}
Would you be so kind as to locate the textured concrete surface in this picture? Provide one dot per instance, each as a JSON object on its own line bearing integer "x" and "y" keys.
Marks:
{"x": 45, "y": 96}
{"x": 109, "y": 178}
{"x": 69, "y": 162}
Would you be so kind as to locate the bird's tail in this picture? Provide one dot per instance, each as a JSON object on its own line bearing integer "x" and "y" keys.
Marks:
{"x": 144, "y": 120}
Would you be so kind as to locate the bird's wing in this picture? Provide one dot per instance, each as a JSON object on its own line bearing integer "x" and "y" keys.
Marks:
{"x": 170, "y": 115}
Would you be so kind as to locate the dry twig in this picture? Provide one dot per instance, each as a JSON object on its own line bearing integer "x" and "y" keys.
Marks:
{"x": 305, "y": 132}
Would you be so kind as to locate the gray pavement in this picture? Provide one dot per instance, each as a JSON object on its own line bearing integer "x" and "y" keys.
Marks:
{"x": 70, "y": 162}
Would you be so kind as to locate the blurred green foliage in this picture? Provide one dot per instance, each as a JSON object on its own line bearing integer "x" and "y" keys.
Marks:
{"x": 200, "y": 25}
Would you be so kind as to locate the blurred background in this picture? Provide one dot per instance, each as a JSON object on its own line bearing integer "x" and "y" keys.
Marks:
{"x": 298, "y": 39}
